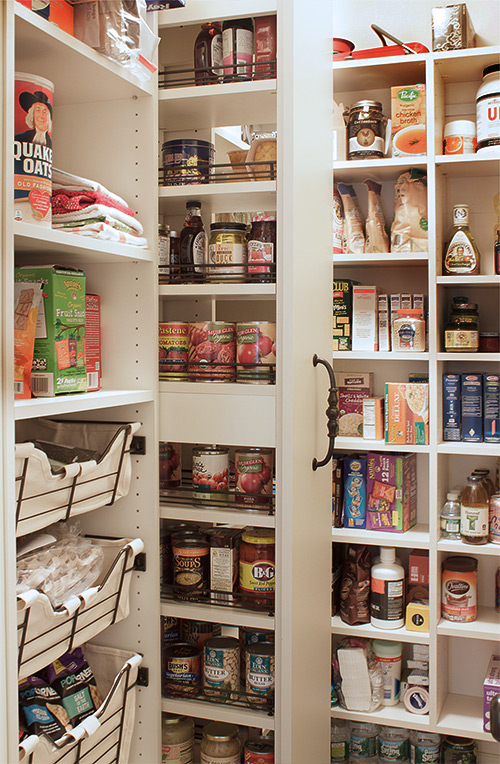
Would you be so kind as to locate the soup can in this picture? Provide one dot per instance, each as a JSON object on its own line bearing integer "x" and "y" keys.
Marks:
{"x": 494, "y": 518}
{"x": 212, "y": 351}
{"x": 170, "y": 630}
{"x": 170, "y": 465}
{"x": 33, "y": 149}
{"x": 458, "y": 750}
{"x": 254, "y": 477}
{"x": 258, "y": 751}
{"x": 182, "y": 670}
{"x": 256, "y": 352}
{"x": 221, "y": 668}
{"x": 259, "y": 674}
{"x": 210, "y": 473}
{"x": 197, "y": 632}
{"x": 186, "y": 161}
{"x": 173, "y": 346}
{"x": 190, "y": 562}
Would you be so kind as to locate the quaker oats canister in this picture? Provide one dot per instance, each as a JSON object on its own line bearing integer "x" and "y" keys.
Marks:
{"x": 33, "y": 149}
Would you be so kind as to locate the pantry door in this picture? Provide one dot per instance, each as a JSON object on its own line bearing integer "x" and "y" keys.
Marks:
{"x": 304, "y": 325}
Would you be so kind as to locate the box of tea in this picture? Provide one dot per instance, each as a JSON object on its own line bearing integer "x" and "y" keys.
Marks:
{"x": 452, "y": 28}
{"x": 408, "y": 126}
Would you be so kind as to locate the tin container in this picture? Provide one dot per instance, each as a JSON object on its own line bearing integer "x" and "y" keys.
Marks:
{"x": 458, "y": 750}
{"x": 186, "y": 161}
{"x": 259, "y": 674}
{"x": 259, "y": 751}
{"x": 227, "y": 252}
{"x": 257, "y": 567}
{"x": 212, "y": 351}
{"x": 256, "y": 352}
{"x": 182, "y": 671}
{"x": 170, "y": 465}
{"x": 254, "y": 477}
{"x": 190, "y": 562}
{"x": 197, "y": 632}
{"x": 459, "y": 589}
{"x": 33, "y": 161}
{"x": 173, "y": 346}
{"x": 250, "y": 636}
{"x": 494, "y": 518}
{"x": 210, "y": 474}
{"x": 221, "y": 668}
{"x": 366, "y": 126}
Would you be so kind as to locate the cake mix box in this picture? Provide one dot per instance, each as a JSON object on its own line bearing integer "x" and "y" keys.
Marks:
{"x": 59, "y": 355}
{"x": 407, "y": 413}
{"x": 391, "y": 492}
{"x": 354, "y": 492}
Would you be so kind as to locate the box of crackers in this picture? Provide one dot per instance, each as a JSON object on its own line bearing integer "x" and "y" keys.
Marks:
{"x": 391, "y": 482}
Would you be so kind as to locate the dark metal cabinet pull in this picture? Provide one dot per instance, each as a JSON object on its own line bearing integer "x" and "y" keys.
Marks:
{"x": 332, "y": 413}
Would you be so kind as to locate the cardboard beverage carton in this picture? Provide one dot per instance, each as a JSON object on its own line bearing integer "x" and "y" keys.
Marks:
{"x": 392, "y": 491}
{"x": 408, "y": 125}
{"x": 407, "y": 413}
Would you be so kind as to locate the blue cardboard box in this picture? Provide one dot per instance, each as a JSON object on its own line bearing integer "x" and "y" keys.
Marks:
{"x": 451, "y": 407}
{"x": 491, "y": 408}
{"x": 355, "y": 492}
{"x": 471, "y": 389}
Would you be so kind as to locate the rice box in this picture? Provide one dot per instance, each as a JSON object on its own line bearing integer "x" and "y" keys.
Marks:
{"x": 391, "y": 492}
{"x": 354, "y": 492}
{"x": 59, "y": 354}
{"x": 407, "y": 413}
{"x": 491, "y": 687}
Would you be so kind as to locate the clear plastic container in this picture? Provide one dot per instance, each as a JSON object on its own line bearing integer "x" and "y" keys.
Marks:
{"x": 425, "y": 747}
{"x": 450, "y": 517}
{"x": 340, "y": 739}
{"x": 393, "y": 745}
{"x": 364, "y": 742}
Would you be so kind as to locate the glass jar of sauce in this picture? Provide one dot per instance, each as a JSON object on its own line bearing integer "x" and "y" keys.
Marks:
{"x": 220, "y": 743}
{"x": 227, "y": 252}
{"x": 461, "y": 337}
{"x": 257, "y": 569}
{"x": 262, "y": 249}
{"x": 365, "y": 130}
{"x": 177, "y": 739}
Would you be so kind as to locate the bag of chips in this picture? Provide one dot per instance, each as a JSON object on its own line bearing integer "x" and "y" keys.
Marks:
{"x": 72, "y": 678}
{"x": 355, "y": 585}
{"x": 41, "y": 708}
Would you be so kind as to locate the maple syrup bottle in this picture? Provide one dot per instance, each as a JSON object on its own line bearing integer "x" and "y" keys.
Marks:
{"x": 193, "y": 244}
{"x": 461, "y": 256}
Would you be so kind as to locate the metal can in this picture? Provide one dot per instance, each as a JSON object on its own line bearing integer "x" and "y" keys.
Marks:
{"x": 186, "y": 160}
{"x": 227, "y": 252}
{"x": 223, "y": 562}
{"x": 459, "y": 589}
{"x": 256, "y": 352}
{"x": 259, "y": 751}
{"x": 365, "y": 130}
{"x": 182, "y": 672}
{"x": 212, "y": 351}
{"x": 210, "y": 474}
{"x": 257, "y": 567}
{"x": 170, "y": 465}
{"x": 221, "y": 668}
{"x": 170, "y": 630}
{"x": 459, "y": 750}
{"x": 173, "y": 345}
{"x": 494, "y": 518}
{"x": 249, "y": 636}
{"x": 254, "y": 477}
{"x": 259, "y": 674}
{"x": 197, "y": 632}
{"x": 191, "y": 557}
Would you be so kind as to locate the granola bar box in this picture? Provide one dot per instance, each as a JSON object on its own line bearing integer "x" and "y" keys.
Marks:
{"x": 391, "y": 481}
{"x": 407, "y": 413}
{"x": 59, "y": 356}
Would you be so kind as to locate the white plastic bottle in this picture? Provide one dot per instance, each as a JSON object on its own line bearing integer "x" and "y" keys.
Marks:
{"x": 389, "y": 655}
{"x": 393, "y": 745}
{"x": 364, "y": 743}
{"x": 488, "y": 111}
{"x": 387, "y": 591}
{"x": 340, "y": 739}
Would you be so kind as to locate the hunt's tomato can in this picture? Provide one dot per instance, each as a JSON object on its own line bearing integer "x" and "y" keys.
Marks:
{"x": 256, "y": 352}
{"x": 258, "y": 751}
{"x": 254, "y": 477}
{"x": 212, "y": 351}
{"x": 210, "y": 474}
{"x": 170, "y": 465}
{"x": 33, "y": 149}
{"x": 173, "y": 344}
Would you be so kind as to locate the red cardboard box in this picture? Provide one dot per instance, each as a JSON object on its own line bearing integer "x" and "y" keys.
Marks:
{"x": 418, "y": 576}
{"x": 93, "y": 341}
{"x": 61, "y": 14}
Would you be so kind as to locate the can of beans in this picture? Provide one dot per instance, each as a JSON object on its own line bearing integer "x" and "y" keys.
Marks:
{"x": 258, "y": 751}
{"x": 259, "y": 674}
{"x": 191, "y": 560}
{"x": 182, "y": 670}
{"x": 254, "y": 477}
{"x": 256, "y": 352}
{"x": 221, "y": 668}
{"x": 170, "y": 465}
{"x": 173, "y": 345}
{"x": 494, "y": 515}
{"x": 210, "y": 474}
{"x": 34, "y": 97}
{"x": 497, "y": 591}
{"x": 197, "y": 632}
{"x": 212, "y": 351}
{"x": 249, "y": 636}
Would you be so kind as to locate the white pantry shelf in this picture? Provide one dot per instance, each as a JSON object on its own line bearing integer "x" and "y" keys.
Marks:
{"x": 382, "y": 260}
{"x": 469, "y": 166}
{"x": 465, "y": 65}
{"x": 459, "y": 547}
{"x": 199, "y": 11}
{"x": 240, "y": 196}
{"x": 415, "y": 538}
{"x": 387, "y": 715}
{"x": 207, "y": 514}
{"x": 359, "y": 444}
{"x": 488, "y": 280}
{"x": 463, "y": 447}
{"x": 486, "y": 626}
{"x": 463, "y": 714}
{"x": 474, "y": 357}
{"x": 219, "y": 291}
{"x": 371, "y": 632}
{"x": 356, "y": 171}
{"x": 79, "y": 402}
{"x": 377, "y": 73}
{"x": 355, "y": 355}
{"x": 246, "y": 717}
{"x": 217, "y": 614}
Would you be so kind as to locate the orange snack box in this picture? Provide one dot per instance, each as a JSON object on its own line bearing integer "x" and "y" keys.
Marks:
{"x": 407, "y": 413}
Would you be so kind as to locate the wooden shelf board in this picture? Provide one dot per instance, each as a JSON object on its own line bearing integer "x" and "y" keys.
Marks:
{"x": 371, "y": 632}
{"x": 246, "y": 717}
{"x": 486, "y": 626}
{"x": 206, "y": 514}
{"x": 241, "y": 196}
{"x": 219, "y": 291}
{"x": 463, "y": 714}
{"x": 359, "y": 444}
{"x": 416, "y": 538}
{"x": 217, "y": 614}
{"x": 74, "y": 403}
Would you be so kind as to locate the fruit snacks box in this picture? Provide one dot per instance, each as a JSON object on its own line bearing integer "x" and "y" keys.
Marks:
{"x": 354, "y": 492}
{"x": 407, "y": 413}
{"x": 391, "y": 492}
{"x": 59, "y": 356}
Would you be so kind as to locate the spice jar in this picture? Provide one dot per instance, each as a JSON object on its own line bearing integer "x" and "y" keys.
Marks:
{"x": 177, "y": 739}
{"x": 409, "y": 330}
{"x": 262, "y": 249}
{"x": 365, "y": 130}
{"x": 227, "y": 252}
{"x": 220, "y": 743}
{"x": 257, "y": 572}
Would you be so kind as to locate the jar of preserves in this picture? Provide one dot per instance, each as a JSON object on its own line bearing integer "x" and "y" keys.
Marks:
{"x": 208, "y": 54}
{"x": 464, "y": 311}
{"x": 257, "y": 567}
{"x": 366, "y": 126}
{"x": 489, "y": 342}
{"x": 227, "y": 252}
{"x": 461, "y": 337}
{"x": 177, "y": 739}
{"x": 409, "y": 331}
{"x": 262, "y": 249}
{"x": 220, "y": 744}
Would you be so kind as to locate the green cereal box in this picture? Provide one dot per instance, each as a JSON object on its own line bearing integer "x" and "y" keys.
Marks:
{"x": 59, "y": 357}
{"x": 342, "y": 314}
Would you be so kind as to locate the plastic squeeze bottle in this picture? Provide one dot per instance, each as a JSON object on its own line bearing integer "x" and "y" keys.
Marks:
{"x": 387, "y": 591}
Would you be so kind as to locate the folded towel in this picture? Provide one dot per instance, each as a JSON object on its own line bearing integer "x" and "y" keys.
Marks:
{"x": 107, "y": 233}
{"x": 99, "y": 210}
{"x": 66, "y": 180}
{"x": 97, "y": 219}
{"x": 71, "y": 201}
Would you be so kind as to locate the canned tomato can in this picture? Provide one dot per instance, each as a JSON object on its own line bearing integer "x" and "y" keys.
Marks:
{"x": 494, "y": 518}
{"x": 250, "y": 636}
{"x": 210, "y": 474}
{"x": 182, "y": 670}
{"x": 221, "y": 668}
{"x": 458, "y": 750}
{"x": 197, "y": 632}
{"x": 33, "y": 149}
{"x": 190, "y": 563}
{"x": 173, "y": 347}
{"x": 254, "y": 477}
{"x": 259, "y": 674}
{"x": 186, "y": 160}
{"x": 170, "y": 465}
{"x": 256, "y": 352}
{"x": 258, "y": 751}
{"x": 212, "y": 351}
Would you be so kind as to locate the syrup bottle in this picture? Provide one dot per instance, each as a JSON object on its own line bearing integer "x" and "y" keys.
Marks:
{"x": 193, "y": 244}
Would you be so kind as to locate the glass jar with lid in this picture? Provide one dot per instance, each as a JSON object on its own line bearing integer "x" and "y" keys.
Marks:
{"x": 262, "y": 248}
{"x": 409, "y": 331}
{"x": 177, "y": 739}
{"x": 366, "y": 126}
{"x": 227, "y": 252}
{"x": 220, "y": 744}
{"x": 464, "y": 311}
{"x": 208, "y": 54}
{"x": 461, "y": 337}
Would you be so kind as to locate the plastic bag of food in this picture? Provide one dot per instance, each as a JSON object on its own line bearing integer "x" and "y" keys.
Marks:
{"x": 73, "y": 679}
{"x": 355, "y": 585}
{"x": 409, "y": 227}
{"x": 338, "y": 223}
{"x": 362, "y": 682}
{"x": 377, "y": 238}
{"x": 354, "y": 238}
{"x": 26, "y": 300}
{"x": 41, "y": 708}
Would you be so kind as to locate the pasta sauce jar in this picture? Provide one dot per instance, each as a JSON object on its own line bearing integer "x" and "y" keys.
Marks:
{"x": 220, "y": 744}
{"x": 257, "y": 569}
{"x": 365, "y": 130}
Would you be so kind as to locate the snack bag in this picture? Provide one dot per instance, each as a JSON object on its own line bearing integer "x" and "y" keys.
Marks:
{"x": 355, "y": 585}
{"x": 26, "y": 301}
{"x": 354, "y": 238}
{"x": 409, "y": 227}
{"x": 72, "y": 677}
{"x": 42, "y": 708}
{"x": 377, "y": 239}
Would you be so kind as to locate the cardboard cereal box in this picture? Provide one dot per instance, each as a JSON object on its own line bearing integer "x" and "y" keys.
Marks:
{"x": 342, "y": 314}
{"x": 59, "y": 355}
{"x": 353, "y": 388}
{"x": 407, "y": 413}
{"x": 355, "y": 492}
{"x": 391, "y": 492}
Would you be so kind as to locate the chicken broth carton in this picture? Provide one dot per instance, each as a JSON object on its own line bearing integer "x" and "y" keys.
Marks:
{"x": 408, "y": 125}
{"x": 59, "y": 355}
{"x": 392, "y": 492}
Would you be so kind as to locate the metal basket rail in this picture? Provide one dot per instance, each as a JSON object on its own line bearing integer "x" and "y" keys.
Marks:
{"x": 176, "y": 77}
{"x": 235, "y": 600}
{"x": 219, "y": 173}
{"x": 217, "y": 371}
{"x": 185, "y": 496}
{"x": 220, "y": 273}
{"x": 229, "y": 697}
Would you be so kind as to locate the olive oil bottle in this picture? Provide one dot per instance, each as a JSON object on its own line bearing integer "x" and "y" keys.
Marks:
{"x": 461, "y": 255}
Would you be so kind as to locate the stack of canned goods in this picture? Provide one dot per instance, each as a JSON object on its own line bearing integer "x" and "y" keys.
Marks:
{"x": 217, "y": 351}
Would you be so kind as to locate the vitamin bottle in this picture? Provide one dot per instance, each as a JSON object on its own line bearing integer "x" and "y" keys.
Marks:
{"x": 387, "y": 591}
{"x": 340, "y": 738}
{"x": 450, "y": 517}
{"x": 461, "y": 255}
{"x": 364, "y": 743}
{"x": 425, "y": 747}
{"x": 474, "y": 510}
{"x": 193, "y": 244}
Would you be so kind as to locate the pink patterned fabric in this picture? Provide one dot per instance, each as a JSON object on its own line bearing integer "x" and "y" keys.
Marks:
{"x": 73, "y": 201}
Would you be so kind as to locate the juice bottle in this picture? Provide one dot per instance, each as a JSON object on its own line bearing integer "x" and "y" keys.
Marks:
{"x": 193, "y": 244}
{"x": 474, "y": 512}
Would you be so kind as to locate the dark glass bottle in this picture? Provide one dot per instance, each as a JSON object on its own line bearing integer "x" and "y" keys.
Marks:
{"x": 208, "y": 54}
{"x": 497, "y": 254}
{"x": 193, "y": 244}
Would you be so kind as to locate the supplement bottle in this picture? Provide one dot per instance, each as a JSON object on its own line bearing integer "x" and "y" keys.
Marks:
{"x": 474, "y": 512}
{"x": 340, "y": 738}
{"x": 393, "y": 745}
{"x": 364, "y": 743}
{"x": 387, "y": 591}
{"x": 425, "y": 747}
{"x": 488, "y": 111}
{"x": 450, "y": 517}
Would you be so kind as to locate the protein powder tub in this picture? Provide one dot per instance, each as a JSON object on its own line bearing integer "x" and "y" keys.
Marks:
{"x": 488, "y": 110}
{"x": 220, "y": 744}
{"x": 177, "y": 739}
